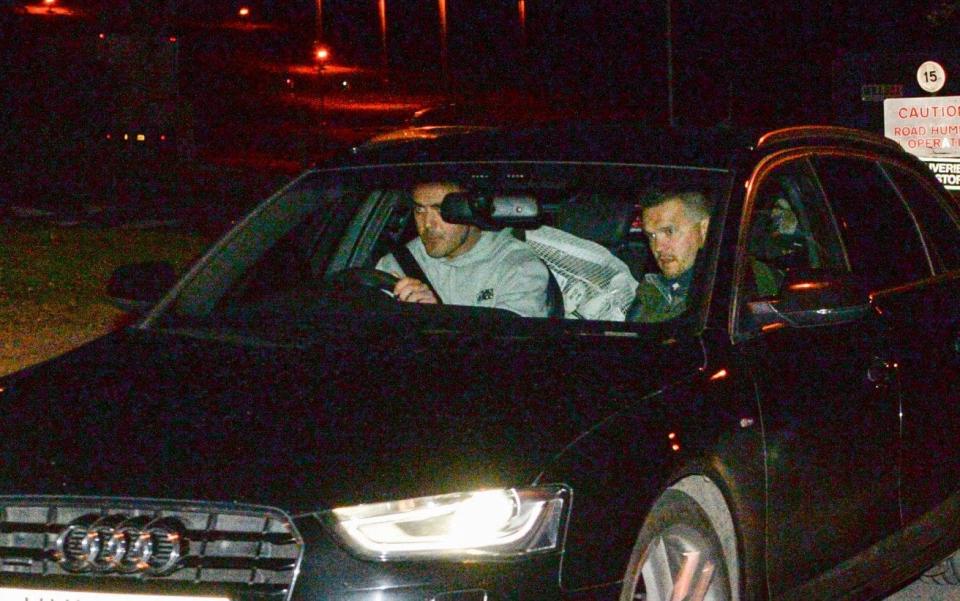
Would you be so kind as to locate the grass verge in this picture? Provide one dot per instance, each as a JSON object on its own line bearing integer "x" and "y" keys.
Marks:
{"x": 53, "y": 282}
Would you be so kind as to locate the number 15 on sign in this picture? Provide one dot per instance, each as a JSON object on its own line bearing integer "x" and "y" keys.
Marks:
{"x": 931, "y": 76}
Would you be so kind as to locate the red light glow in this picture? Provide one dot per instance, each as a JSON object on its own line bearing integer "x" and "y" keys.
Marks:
{"x": 442, "y": 5}
{"x": 522, "y": 14}
{"x": 102, "y": 36}
{"x": 719, "y": 375}
{"x": 323, "y": 54}
{"x": 172, "y": 39}
{"x": 48, "y": 8}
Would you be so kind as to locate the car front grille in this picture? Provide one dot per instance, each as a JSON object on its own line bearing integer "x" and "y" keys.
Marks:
{"x": 251, "y": 552}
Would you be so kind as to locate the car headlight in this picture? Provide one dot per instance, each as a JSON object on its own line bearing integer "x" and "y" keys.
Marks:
{"x": 485, "y": 524}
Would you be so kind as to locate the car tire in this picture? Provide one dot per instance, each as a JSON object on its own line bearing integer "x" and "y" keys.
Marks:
{"x": 677, "y": 548}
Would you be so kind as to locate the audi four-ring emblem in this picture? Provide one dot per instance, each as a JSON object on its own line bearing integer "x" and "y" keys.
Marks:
{"x": 121, "y": 544}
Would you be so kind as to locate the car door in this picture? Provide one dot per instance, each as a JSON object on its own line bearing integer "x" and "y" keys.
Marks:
{"x": 830, "y": 431}
{"x": 911, "y": 233}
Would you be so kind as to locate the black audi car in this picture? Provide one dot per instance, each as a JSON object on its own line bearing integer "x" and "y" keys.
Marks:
{"x": 277, "y": 427}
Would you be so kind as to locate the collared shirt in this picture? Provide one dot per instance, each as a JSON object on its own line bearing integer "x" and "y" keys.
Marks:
{"x": 499, "y": 271}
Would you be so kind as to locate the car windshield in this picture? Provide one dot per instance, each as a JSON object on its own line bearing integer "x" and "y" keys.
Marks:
{"x": 489, "y": 242}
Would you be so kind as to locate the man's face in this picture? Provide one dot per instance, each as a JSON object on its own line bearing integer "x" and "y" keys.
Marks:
{"x": 441, "y": 239}
{"x": 674, "y": 237}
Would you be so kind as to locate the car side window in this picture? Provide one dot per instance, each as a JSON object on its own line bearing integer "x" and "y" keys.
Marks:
{"x": 789, "y": 228}
{"x": 882, "y": 241}
{"x": 938, "y": 224}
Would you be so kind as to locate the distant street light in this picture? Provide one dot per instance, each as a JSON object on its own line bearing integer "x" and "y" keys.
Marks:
{"x": 321, "y": 55}
{"x": 522, "y": 14}
{"x": 383, "y": 33}
{"x": 244, "y": 12}
{"x": 444, "y": 64}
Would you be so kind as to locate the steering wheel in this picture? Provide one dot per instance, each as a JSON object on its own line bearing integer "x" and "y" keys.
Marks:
{"x": 367, "y": 278}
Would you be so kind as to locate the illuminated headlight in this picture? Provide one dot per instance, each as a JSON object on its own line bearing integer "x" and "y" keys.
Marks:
{"x": 486, "y": 524}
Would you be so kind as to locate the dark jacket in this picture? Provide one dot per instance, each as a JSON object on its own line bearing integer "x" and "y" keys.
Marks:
{"x": 660, "y": 298}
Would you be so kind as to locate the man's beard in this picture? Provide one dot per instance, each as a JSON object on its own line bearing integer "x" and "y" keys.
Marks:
{"x": 441, "y": 246}
{"x": 664, "y": 260}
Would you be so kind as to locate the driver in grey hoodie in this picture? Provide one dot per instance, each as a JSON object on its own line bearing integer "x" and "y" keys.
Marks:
{"x": 466, "y": 265}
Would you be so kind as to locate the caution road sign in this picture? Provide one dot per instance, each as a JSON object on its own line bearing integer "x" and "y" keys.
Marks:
{"x": 926, "y": 127}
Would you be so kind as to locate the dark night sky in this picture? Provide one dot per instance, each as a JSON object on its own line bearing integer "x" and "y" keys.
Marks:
{"x": 752, "y": 59}
{"x": 762, "y": 63}
{"x": 754, "y": 64}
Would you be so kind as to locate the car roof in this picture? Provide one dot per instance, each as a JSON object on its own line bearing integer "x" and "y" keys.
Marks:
{"x": 424, "y": 132}
{"x": 825, "y": 135}
{"x": 581, "y": 141}
{"x": 630, "y": 142}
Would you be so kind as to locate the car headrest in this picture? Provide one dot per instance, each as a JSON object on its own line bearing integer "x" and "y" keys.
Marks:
{"x": 602, "y": 219}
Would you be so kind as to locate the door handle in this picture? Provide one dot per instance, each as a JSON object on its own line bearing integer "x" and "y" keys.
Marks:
{"x": 881, "y": 371}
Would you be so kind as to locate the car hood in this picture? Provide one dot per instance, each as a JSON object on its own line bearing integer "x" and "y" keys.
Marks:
{"x": 358, "y": 414}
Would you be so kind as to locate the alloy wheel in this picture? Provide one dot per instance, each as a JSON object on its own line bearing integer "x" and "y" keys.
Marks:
{"x": 680, "y": 564}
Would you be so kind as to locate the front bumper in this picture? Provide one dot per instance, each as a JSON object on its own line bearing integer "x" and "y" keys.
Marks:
{"x": 329, "y": 572}
{"x": 240, "y": 553}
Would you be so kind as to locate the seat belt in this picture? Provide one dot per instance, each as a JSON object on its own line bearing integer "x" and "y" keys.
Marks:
{"x": 412, "y": 269}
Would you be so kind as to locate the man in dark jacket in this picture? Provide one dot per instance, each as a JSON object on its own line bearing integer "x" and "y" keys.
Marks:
{"x": 675, "y": 223}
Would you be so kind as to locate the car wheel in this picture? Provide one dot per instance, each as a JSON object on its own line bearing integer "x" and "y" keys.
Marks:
{"x": 677, "y": 556}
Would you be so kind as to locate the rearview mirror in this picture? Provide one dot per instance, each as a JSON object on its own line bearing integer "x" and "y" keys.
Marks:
{"x": 491, "y": 211}
{"x": 136, "y": 287}
{"x": 811, "y": 298}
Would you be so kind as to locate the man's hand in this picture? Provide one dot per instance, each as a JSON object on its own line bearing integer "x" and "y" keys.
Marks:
{"x": 411, "y": 290}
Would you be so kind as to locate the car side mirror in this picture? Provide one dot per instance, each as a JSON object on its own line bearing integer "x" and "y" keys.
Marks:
{"x": 490, "y": 211}
{"x": 812, "y": 298}
{"x": 136, "y": 287}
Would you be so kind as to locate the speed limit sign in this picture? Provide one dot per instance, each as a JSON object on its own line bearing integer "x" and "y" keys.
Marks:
{"x": 931, "y": 76}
